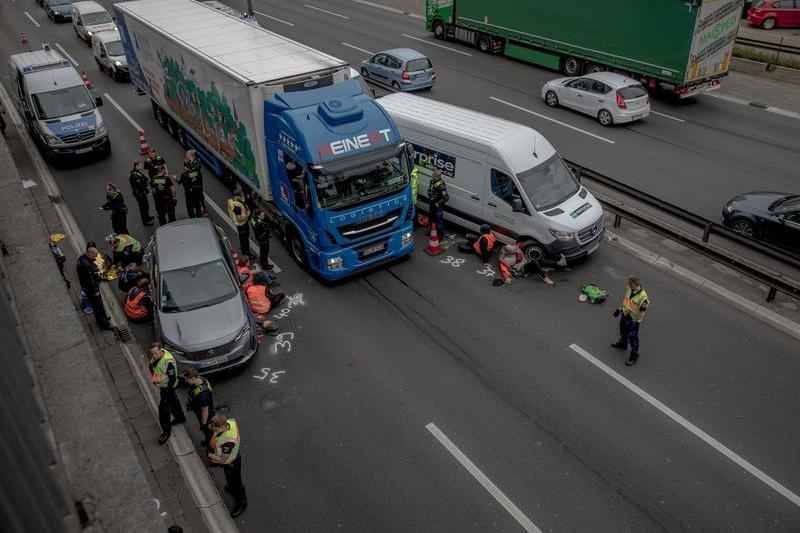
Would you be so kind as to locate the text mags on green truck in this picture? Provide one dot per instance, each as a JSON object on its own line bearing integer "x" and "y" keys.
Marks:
{"x": 286, "y": 120}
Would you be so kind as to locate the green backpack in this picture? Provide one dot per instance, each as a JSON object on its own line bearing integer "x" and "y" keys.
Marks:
{"x": 594, "y": 294}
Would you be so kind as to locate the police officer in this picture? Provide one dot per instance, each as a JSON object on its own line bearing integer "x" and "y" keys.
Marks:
{"x": 119, "y": 211}
{"x": 261, "y": 232}
{"x": 192, "y": 182}
{"x": 89, "y": 279}
{"x": 414, "y": 191}
{"x": 201, "y": 401}
{"x": 154, "y": 164}
{"x": 224, "y": 452}
{"x": 164, "y": 375}
{"x": 164, "y": 196}
{"x": 631, "y": 314}
{"x": 437, "y": 198}
{"x": 140, "y": 185}
{"x": 127, "y": 249}
{"x": 240, "y": 215}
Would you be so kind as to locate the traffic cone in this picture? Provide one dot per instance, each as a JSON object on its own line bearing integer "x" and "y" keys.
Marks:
{"x": 85, "y": 79}
{"x": 23, "y": 38}
{"x": 144, "y": 148}
{"x": 433, "y": 242}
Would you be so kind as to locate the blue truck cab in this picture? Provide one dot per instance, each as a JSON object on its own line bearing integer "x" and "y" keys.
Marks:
{"x": 56, "y": 105}
{"x": 340, "y": 178}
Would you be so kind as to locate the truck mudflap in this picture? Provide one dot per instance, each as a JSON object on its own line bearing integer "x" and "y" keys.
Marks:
{"x": 694, "y": 90}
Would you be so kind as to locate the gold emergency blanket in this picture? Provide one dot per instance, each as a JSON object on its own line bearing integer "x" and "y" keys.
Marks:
{"x": 105, "y": 268}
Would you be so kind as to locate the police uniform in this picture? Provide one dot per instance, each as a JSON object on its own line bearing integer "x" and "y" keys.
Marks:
{"x": 200, "y": 396}
{"x": 261, "y": 232}
{"x": 414, "y": 191}
{"x": 633, "y": 305}
{"x": 162, "y": 197}
{"x": 164, "y": 375}
{"x": 437, "y": 198}
{"x": 139, "y": 186}
{"x": 192, "y": 182}
{"x": 128, "y": 250}
{"x": 242, "y": 225}
{"x": 152, "y": 164}
{"x": 119, "y": 212}
{"x": 224, "y": 452}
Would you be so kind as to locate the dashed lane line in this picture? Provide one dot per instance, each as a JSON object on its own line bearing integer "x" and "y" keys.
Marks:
{"x": 32, "y": 19}
{"x": 274, "y": 18}
{"x": 660, "y": 114}
{"x": 357, "y": 48}
{"x": 124, "y": 113}
{"x": 66, "y": 54}
{"x": 326, "y": 11}
{"x": 436, "y": 44}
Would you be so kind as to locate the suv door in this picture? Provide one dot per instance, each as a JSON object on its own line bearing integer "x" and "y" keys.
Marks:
{"x": 376, "y": 66}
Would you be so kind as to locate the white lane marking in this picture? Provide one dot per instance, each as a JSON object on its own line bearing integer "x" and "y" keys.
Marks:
{"x": 784, "y": 112}
{"x": 490, "y": 487}
{"x": 123, "y": 112}
{"x": 733, "y": 99}
{"x": 379, "y": 6}
{"x": 436, "y": 44}
{"x": 515, "y": 106}
{"x": 32, "y": 19}
{"x": 357, "y": 48}
{"x": 274, "y": 18}
{"x": 326, "y": 11}
{"x": 71, "y": 59}
{"x": 699, "y": 433}
{"x": 676, "y": 119}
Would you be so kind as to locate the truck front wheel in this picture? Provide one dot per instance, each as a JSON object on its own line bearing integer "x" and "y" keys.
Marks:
{"x": 298, "y": 248}
{"x": 571, "y": 66}
{"x": 484, "y": 43}
{"x": 438, "y": 29}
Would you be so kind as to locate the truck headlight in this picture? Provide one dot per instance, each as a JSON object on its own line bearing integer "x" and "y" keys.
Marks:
{"x": 407, "y": 238}
{"x": 335, "y": 263}
{"x": 561, "y": 235}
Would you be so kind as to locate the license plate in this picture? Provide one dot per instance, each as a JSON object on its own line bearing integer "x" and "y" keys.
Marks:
{"x": 214, "y": 361}
{"x": 593, "y": 248}
{"x": 83, "y": 150}
{"x": 375, "y": 248}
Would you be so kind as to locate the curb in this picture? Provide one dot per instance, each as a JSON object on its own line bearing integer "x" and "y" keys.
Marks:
{"x": 750, "y": 307}
{"x": 205, "y": 494}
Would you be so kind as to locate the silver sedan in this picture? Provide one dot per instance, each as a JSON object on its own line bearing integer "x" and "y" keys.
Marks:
{"x": 611, "y": 98}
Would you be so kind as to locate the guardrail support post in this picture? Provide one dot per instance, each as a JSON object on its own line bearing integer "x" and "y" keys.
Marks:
{"x": 617, "y": 221}
{"x": 578, "y": 173}
{"x": 771, "y": 295}
{"x": 707, "y": 231}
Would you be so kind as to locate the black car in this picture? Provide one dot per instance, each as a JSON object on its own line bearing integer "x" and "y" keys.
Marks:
{"x": 747, "y": 5}
{"x": 771, "y": 217}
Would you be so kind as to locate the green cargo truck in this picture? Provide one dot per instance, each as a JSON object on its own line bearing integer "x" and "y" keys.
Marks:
{"x": 686, "y": 44}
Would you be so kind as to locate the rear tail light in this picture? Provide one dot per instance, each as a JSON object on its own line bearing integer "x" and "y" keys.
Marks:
{"x": 621, "y": 102}
{"x": 433, "y": 71}
{"x": 405, "y": 74}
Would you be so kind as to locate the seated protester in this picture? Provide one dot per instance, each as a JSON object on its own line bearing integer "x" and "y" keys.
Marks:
{"x": 481, "y": 245}
{"x": 248, "y": 274}
{"x": 129, "y": 277}
{"x": 513, "y": 263}
{"x": 261, "y": 299}
{"x": 139, "y": 302}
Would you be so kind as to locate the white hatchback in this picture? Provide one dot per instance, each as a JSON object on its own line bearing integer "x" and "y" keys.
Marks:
{"x": 610, "y": 97}
{"x": 89, "y": 18}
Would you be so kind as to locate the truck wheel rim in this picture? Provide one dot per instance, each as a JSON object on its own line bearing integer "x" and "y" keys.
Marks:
{"x": 769, "y": 24}
{"x": 571, "y": 65}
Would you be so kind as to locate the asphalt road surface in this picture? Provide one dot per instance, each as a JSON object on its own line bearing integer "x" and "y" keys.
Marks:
{"x": 420, "y": 398}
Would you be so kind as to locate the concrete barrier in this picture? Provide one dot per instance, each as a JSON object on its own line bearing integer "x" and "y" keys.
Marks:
{"x": 764, "y": 70}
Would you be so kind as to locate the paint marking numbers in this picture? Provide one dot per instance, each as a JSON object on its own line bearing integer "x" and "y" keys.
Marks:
{"x": 270, "y": 376}
{"x": 487, "y": 271}
{"x": 283, "y": 341}
{"x": 454, "y": 262}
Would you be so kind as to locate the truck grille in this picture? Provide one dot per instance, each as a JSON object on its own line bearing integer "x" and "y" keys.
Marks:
{"x": 78, "y": 137}
{"x": 589, "y": 233}
{"x": 370, "y": 227}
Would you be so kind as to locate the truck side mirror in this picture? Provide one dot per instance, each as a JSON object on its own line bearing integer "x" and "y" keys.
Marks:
{"x": 28, "y": 115}
{"x": 98, "y": 101}
{"x": 410, "y": 150}
{"x": 517, "y": 206}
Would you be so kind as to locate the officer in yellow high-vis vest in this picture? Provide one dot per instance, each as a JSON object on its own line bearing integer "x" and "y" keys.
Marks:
{"x": 631, "y": 313}
{"x": 223, "y": 451}
{"x": 240, "y": 215}
{"x": 164, "y": 375}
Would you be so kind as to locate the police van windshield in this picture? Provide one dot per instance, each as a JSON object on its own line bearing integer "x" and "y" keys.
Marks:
{"x": 361, "y": 183}
{"x": 62, "y": 102}
{"x": 548, "y": 184}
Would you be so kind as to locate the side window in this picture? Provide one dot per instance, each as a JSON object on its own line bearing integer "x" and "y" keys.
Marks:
{"x": 503, "y": 186}
{"x": 580, "y": 84}
{"x": 793, "y": 217}
{"x": 393, "y": 62}
{"x": 599, "y": 87}
{"x": 380, "y": 59}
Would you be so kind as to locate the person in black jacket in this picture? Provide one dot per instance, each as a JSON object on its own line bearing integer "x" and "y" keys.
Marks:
{"x": 90, "y": 283}
{"x": 140, "y": 185}
{"x": 437, "y": 198}
{"x": 119, "y": 211}
{"x": 129, "y": 277}
{"x": 261, "y": 232}
{"x": 192, "y": 182}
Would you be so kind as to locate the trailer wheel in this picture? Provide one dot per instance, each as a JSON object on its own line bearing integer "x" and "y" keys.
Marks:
{"x": 172, "y": 128}
{"x": 484, "y": 43}
{"x": 594, "y": 68}
{"x": 438, "y": 29}
{"x": 182, "y": 138}
{"x": 571, "y": 66}
{"x": 298, "y": 248}
{"x": 162, "y": 118}
{"x": 769, "y": 24}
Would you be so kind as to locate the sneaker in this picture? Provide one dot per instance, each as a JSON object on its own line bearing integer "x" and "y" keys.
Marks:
{"x": 619, "y": 346}
{"x": 164, "y": 437}
{"x": 239, "y": 509}
{"x": 630, "y": 362}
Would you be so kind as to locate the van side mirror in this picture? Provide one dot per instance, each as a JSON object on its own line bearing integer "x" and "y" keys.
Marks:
{"x": 102, "y": 54}
{"x": 98, "y": 101}
{"x": 517, "y": 206}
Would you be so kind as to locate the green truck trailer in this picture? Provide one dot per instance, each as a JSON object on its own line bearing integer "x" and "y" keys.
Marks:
{"x": 686, "y": 44}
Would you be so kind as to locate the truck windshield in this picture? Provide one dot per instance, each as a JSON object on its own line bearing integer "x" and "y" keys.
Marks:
{"x": 114, "y": 48}
{"x": 194, "y": 287}
{"x": 99, "y": 17}
{"x": 548, "y": 184}
{"x": 360, "y": 183}
{"x": 62, "y": 102}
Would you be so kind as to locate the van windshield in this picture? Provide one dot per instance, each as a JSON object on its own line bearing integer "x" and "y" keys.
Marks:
{"x": 194, "y": 287}
{"x": 62, "y": 102}
{"x": 98, "y": 17}
{"x": 361, "y": 183}
{"x": 114, "y": 48}
{"x": 548, "y": 184}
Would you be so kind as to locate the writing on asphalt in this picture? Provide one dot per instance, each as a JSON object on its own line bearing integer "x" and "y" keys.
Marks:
{"x": 457, "y": 262}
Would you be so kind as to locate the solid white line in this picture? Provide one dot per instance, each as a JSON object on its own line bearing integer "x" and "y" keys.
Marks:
{"x": 71, "y": 59}
{"x": 490, "y": 487}
{"x": 784, "y": 112}
{"x": 326, "y": 11}
{"x": 552, "y": 120}
{"x": 699, "y": 433}
{"x": 676, "y": 119}
{"x": 357, "y": 48}
{"x": 123, "y": 112}
{"x": 733, "y": 99}
{"x": 379, "y": 6}
{"x": 274, "y": 18}
{"x": 32, "y": 19}
{"x": 436, "y": 44}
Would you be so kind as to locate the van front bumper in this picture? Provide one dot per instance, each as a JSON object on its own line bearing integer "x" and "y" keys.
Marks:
{"x": 573, "y": 250}
{"x": 98, "y": 144}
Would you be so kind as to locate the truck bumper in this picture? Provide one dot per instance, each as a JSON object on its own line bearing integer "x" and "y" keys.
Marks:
{"x": 348, "y": 261}
{"x": 688, "y": 92}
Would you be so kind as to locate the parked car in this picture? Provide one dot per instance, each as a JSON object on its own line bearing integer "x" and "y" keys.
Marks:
{"x": 58, "y": 10}
{"x": 771, "y": 14}
{"x": 403, "y": 69}
{"x": 611, "y": 98}
{"x": 109, "y": 54}
{"x": 201, "y": 314}
{"x": 89, "y": 18}
{"x": 772, "y": 217}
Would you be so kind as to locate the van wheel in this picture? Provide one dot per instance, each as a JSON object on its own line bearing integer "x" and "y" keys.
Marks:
{"x": 438, "y": 29}
{"x": 298, "y": 249}
{"x": 396, "y": 86}
{"x": 533, "y": 251}
{"x": 484, "y": 43}
{"x": 571, "y": 66}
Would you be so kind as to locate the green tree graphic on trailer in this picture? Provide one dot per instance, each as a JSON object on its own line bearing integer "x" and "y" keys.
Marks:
{"x": 209, "y": 115}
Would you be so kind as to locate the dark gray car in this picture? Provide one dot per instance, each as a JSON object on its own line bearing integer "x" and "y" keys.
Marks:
{"x": 201, "y": 314}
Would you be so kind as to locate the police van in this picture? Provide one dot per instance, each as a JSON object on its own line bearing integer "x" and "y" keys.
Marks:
{"x": 499, "y": 173}
{"x": 56, "y": 105}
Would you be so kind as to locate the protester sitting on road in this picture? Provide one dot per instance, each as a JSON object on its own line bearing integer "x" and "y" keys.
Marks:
{"x": 260, "y": 298}
{"x": 129, "y": 276}
{"x": 253, "y": 273}
{"x": 514, "y": 264}
{"x": 139, "y": 302}
{"x": 482, "y": 245}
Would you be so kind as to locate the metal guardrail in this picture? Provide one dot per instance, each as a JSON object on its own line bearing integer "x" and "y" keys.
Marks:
{"x": 698, "y": 240}
{"x": 769, "y": 45}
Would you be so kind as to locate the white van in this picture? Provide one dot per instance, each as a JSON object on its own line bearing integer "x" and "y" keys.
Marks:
{"x": 499, "y": 173}
{"x": 109, "y": 54}
{"x": 89, "y": 18}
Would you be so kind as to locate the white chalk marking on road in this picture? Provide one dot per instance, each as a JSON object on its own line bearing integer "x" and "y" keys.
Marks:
{"x": 123, "y": 112}
{"x": 487, "y": 484}
{"x": 699, "y": 433}
{"x": 357, "y": 48}
{"x": 274, "y": 18}
{"x": 32, "y": 19}
{"x": 676, "y": 119}
{"x": 71, "y": 59}
{"x": 515, "y": 106}
{"x": 328, "y": 12}
{"x": 436, "y": 44}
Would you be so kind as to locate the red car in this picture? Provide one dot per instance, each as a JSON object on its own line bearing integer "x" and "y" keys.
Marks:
{"x": 770, "y": 14}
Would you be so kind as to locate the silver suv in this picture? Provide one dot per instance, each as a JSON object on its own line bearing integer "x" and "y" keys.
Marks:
{"x": 201, "y": 314}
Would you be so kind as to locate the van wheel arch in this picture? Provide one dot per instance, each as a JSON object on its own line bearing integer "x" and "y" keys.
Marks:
{"x": 533, "y": 250}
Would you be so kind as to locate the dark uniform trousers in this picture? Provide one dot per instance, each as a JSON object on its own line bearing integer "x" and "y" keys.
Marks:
{"x": 119, "y": 221}
{"x": 144, "y": 206}
{"x": 244, "y": 238}
{"x": 194, "y": 203}
{"x": 165, "y": 208}
{"x": 629, "y": 333}
{"x": 168, "y": 404}
{"x": 233, "y": 477}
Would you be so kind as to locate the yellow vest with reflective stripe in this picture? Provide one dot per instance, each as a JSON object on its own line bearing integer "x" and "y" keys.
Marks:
{"x": 159, "y": 375}
{"x": 231, "y": 435}
{"x": 125, "y": 241}
{"x": 233, "y": 204}
{"x": 414, "y": 185}
{"x": 632, "y": 305}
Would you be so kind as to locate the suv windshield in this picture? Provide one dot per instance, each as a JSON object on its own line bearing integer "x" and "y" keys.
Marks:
{"x": 418, "y": 64}
{"x": 194, "y": 287}
{"x": 361, "y": 183}
{"x": 549, "y": 183}
{"x": 99, "y": 17}
{"x": 114, "y": 48}
{"x": 62, "y": 102}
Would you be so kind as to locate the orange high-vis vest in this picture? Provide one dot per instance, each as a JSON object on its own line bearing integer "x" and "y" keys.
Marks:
{"x": 259, "y": 301}
{"x": 490, "y": 240}
{"x": 133, "y": 306}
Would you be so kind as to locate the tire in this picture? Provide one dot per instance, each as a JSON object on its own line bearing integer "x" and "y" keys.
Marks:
{"x": 396, "y": 86}
{"x": 484, "y": 43}
{"x": 551, "y": 98}
{"x": 744, "y": 227}
{"x": 594, "y": 68}
{"x": 162, "y": 118}
{"x": 172, "y": 128}
{"x": 605, "y": 118}
{"x": 182, "y": 138}
{"x": 571, "y": 66}
{"x": 297, "y": 248}
{"x": 769, "y": 24}
{"x": 533, "y": 251}
{"x": 364, "y": 72}
{"x": 438, "y": 29}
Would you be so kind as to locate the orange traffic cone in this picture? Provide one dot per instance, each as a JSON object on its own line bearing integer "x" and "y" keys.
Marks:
{"x": 85, "y": 79}
{"x": 23, "y": 38}
{"x": 144, "y": 148}
{"x": 433, "y": 242}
